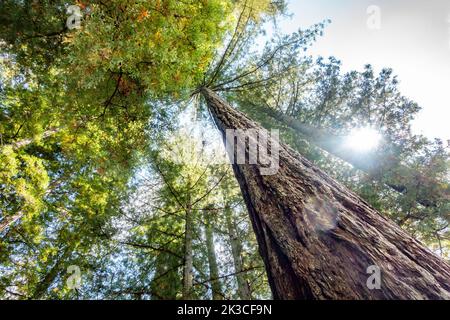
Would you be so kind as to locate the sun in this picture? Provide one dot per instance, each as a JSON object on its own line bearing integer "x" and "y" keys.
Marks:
{"x": 363, "y": 139}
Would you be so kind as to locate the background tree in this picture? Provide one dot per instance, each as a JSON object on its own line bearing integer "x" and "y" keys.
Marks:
{"x": 80, "y": 110}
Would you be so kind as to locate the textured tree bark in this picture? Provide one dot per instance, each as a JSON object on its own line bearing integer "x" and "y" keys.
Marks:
{"x": 333, "y": 144}
{"x": 318, "y": 239}
{"x": 236, "y": 250}
{"x": 188, "y": 259}
{"x": 216, "y": 287}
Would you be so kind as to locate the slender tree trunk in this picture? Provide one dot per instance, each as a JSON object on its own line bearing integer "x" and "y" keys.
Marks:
{"x": 9, "y": 220}
{"x": 188, "y": 258}
{"x": 212, "y": 260}
{"x": 26, "y": 142}
{"x": 319, "y": 240}
{"x": 334, "y": 145}
{"x": 236, "y": 250}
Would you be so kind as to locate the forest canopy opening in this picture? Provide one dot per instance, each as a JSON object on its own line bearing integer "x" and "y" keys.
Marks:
{"x": 363, "y": 139}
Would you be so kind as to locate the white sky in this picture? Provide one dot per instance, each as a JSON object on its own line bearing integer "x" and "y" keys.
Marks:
{"x": 413, "y": 39}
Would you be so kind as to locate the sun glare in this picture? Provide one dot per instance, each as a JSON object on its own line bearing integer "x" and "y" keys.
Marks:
{"x": 363, "y": 139}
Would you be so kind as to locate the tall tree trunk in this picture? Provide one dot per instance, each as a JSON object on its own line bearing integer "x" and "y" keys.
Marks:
{"x": 333, "y": 144}
{"x": 236, "y": 250}
{"x": 188, "y": 258}
{"x": 319, "y": 240}
{"x": 212, "y": 259}
{"x": 26, "y": 142}
{"x": 9, "y": 220}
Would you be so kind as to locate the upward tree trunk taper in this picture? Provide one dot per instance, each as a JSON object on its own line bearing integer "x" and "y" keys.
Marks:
{"x": 318, "y": 239}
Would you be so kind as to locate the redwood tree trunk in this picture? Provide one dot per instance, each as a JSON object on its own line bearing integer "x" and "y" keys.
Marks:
{"x": 318, "y": 239}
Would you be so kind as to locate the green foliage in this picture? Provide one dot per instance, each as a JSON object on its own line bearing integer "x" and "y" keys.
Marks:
{"x": 162, "y": 46}
{"x": 92, "y": 173}
{"x": 78, "y": 109}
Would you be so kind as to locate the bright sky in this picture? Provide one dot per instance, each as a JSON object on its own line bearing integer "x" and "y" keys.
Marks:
{"x": 413, "y": 38}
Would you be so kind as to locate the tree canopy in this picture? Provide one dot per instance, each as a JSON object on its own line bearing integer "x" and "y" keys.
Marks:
{"x": 110, "y": 163}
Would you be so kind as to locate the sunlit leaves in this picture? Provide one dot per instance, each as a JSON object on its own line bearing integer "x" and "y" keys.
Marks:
{"x": 160, "y": 47}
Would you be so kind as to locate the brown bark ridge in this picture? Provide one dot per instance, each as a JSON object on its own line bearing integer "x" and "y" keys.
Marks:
{"x": 318, "y": 239}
